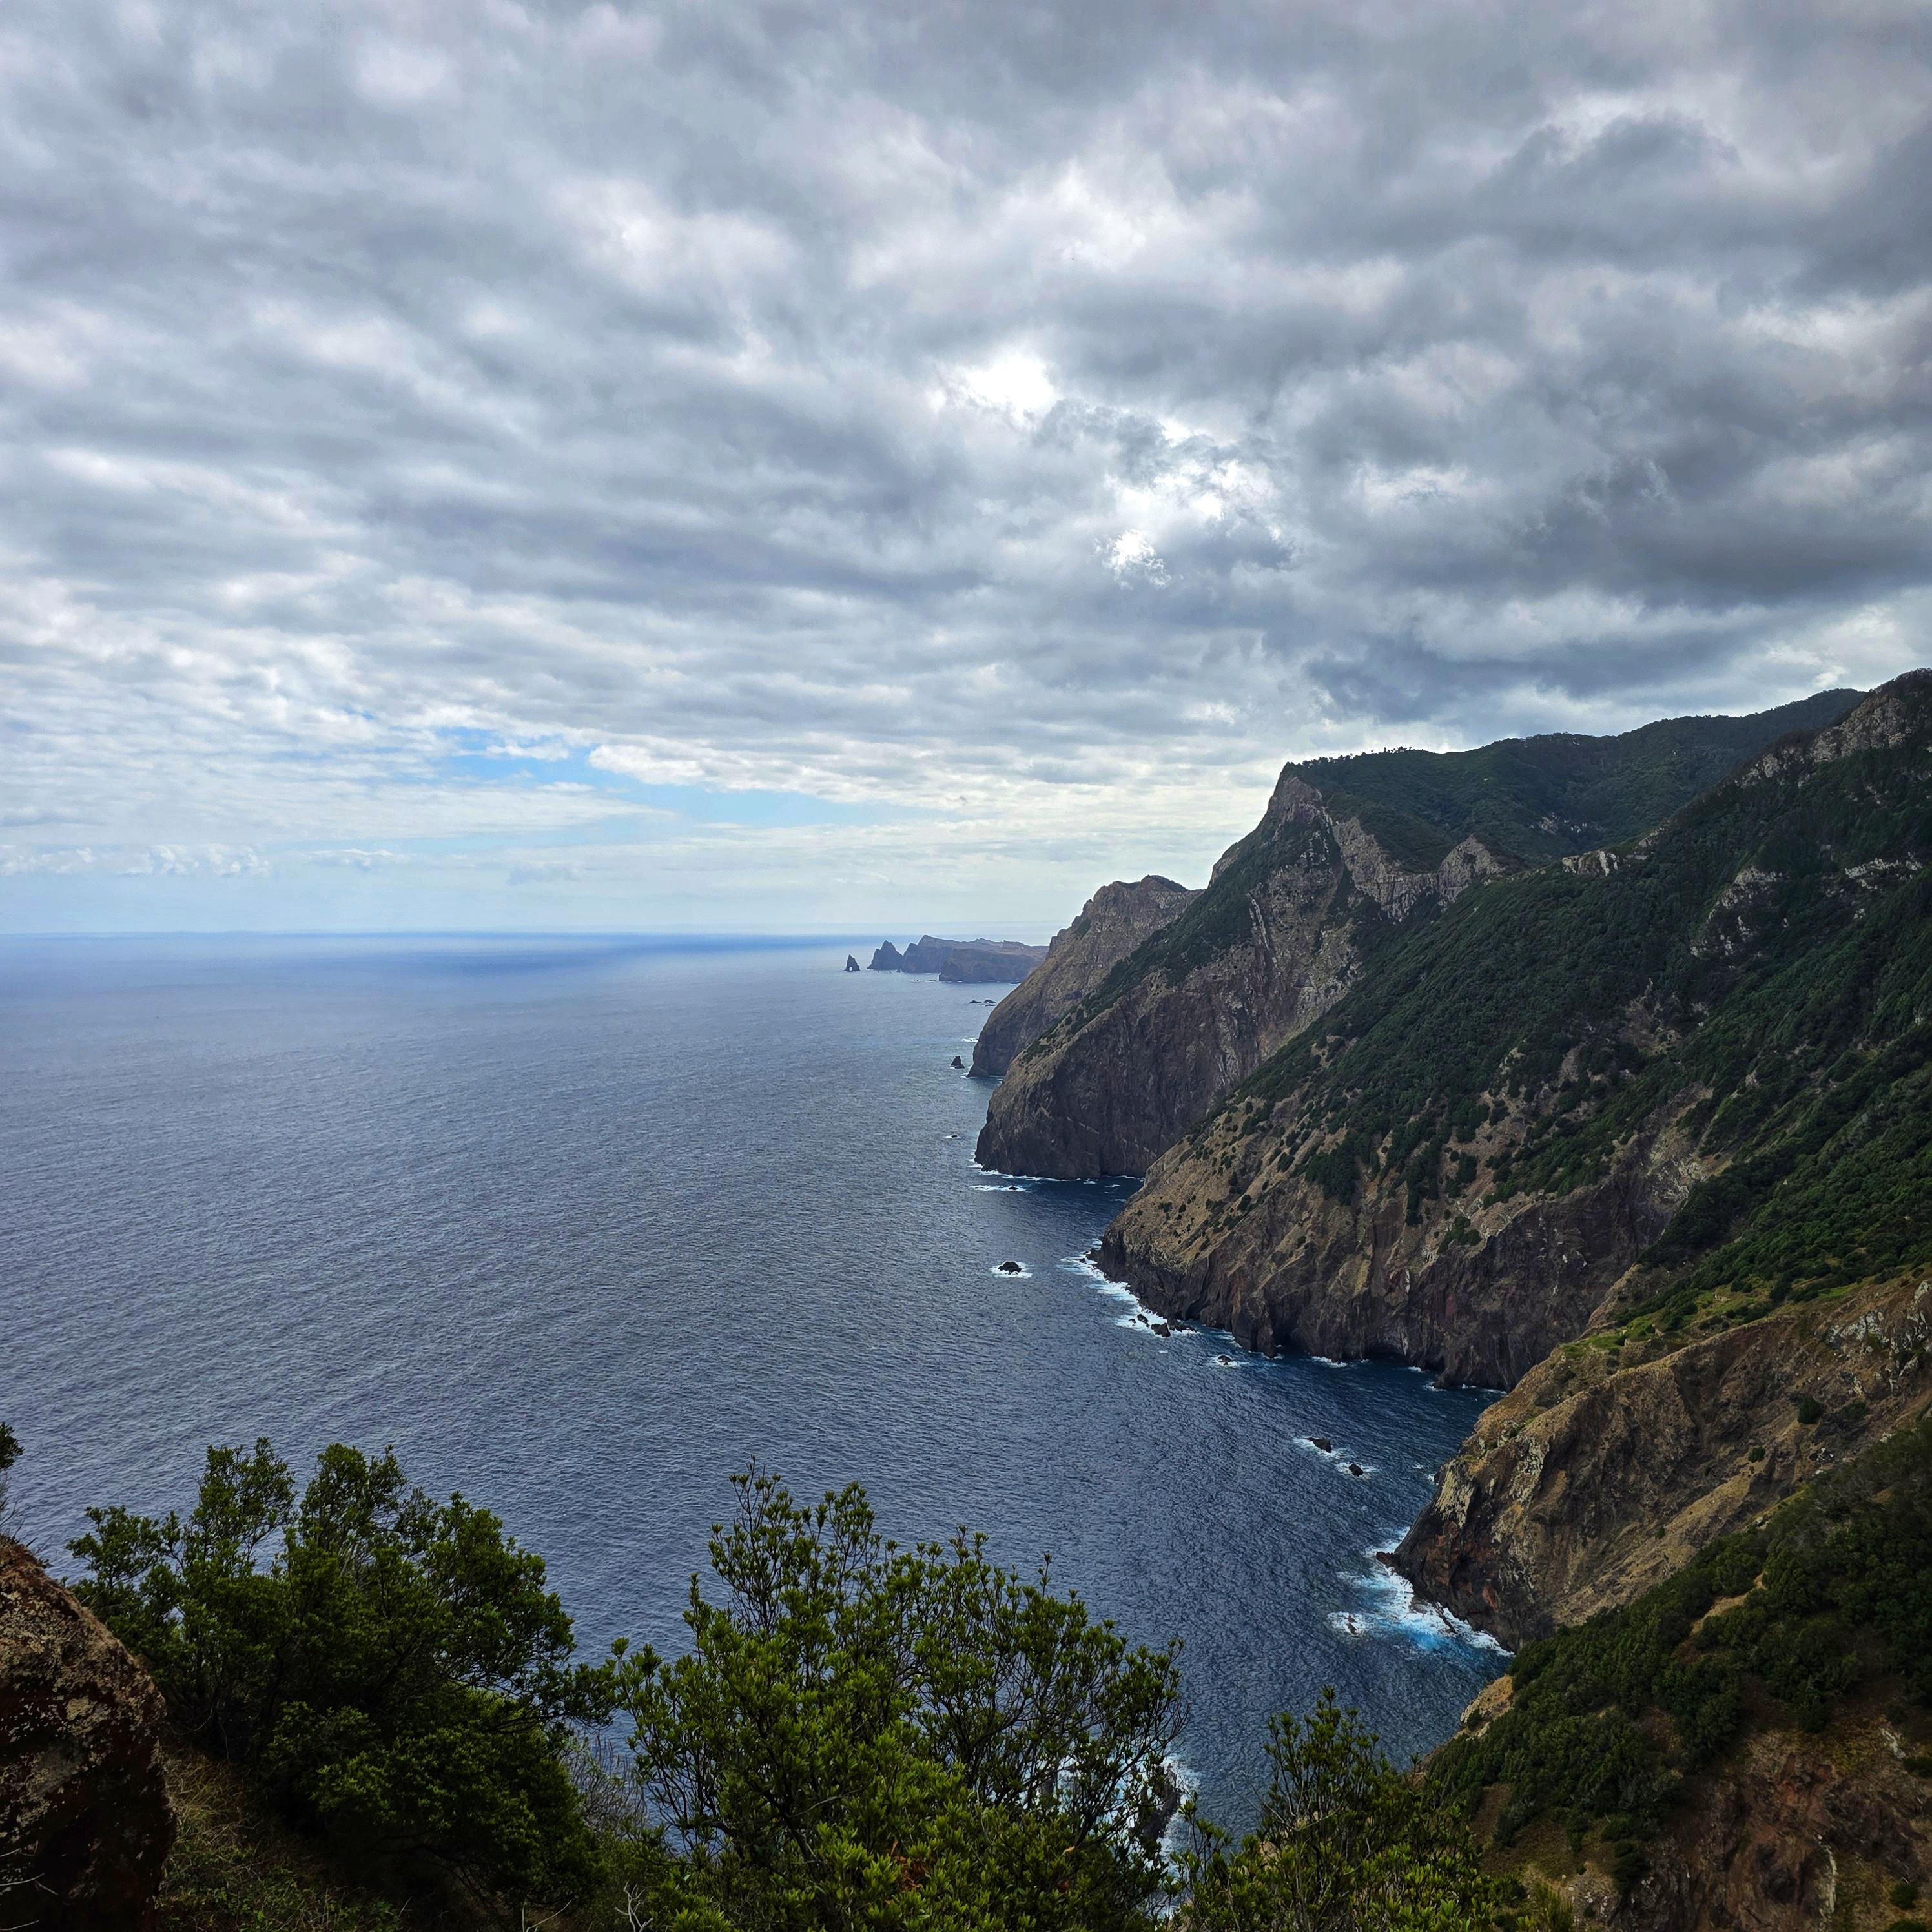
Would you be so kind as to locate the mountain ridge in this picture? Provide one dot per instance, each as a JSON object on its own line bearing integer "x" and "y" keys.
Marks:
{"x": 1295, "y": 909}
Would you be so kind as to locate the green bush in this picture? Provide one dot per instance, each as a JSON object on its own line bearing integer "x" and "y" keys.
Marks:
{"x": 389, "y": 1669}
{"x": 862, "y": 1735}
{"x": 1344, "y": 1840}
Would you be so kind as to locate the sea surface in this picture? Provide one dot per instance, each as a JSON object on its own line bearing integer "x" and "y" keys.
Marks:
{"x": 581, "y": 1226}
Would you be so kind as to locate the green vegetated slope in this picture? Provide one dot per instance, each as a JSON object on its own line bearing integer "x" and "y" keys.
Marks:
{"x": 1763, "y": 964}
{"x": 1614, "y": 1725}
{"x": 1539, "y": 798}
{"x": 1526, "y": 798}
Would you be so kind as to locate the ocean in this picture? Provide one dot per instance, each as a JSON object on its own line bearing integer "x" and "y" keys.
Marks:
{"x": 583, "y": 1225}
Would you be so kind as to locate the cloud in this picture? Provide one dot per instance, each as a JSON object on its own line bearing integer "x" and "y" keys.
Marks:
{"x": 178, "y": 862}
{"x": 1131, "y": 556}
{"x": 357, "y": 859}
{"x": 815, "y": 401}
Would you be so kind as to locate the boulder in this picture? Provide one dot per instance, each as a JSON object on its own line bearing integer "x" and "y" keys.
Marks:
{"x": 84, "y": 1823}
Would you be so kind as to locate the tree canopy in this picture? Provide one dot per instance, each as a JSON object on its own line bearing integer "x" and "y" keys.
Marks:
{"x": 390, "y": 1668}
{"x": 862, "y": 1734}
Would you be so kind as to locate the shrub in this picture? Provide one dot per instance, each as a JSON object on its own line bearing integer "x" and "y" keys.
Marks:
{"x": 388, "y": 1669}
{"x": 1344, "y": 1840}
{"x": 866, "y": 1735}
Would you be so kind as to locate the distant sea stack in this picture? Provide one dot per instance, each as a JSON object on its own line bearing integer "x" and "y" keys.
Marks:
{"x": 1115, "y": 920}
{"x": 971, "y": 962}
{"x": 851, "y": 963}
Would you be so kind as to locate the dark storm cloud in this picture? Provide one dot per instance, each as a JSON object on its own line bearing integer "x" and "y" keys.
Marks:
{"x": 865, "y": 400}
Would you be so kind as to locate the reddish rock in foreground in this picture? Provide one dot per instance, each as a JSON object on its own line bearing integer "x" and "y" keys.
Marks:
{"x": 84, "y": 1823}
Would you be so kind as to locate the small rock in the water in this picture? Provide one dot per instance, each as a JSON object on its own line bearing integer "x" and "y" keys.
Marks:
{"x": 1322, "y": 1443}
{"x": 1354, "y": 1469}
{"x": 1163, "y": 1328}
{"x": 851, "y": 965}
{"x": 1093, "y": 1252}
{"x": 1011, "y": 1268}
{"x": 1226, "y": 1361}
{"x": 957, "y": 1061}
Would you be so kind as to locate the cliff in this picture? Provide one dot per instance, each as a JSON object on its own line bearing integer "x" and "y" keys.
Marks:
{"x": 987, "y": 962}
{"x": 1706, "y": 1050}
{"x": 1109, "y": 926}
{"x": 1350, "y": 854}
{"x": 1644, "y": 1133}
{"x": 1616, "y": 1459}
{"x": 84, "y": 1823}
{"x": 1277, "y": 937}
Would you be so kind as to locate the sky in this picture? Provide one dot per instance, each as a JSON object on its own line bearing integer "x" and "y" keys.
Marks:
{"x": 854, "y": 468}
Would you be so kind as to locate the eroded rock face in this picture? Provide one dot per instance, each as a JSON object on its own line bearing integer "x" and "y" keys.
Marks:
{"x": 1793, "y": 1832}
{"x": 85, "y": 1824}
{"x": 1115, "y": 920}
{"x": 1294, "y": 1271}
{"x": 1603, "y": 1471}
{"x": 1292, "y": 909}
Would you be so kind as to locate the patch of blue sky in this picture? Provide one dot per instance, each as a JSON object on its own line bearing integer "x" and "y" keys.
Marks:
{"x": 478, "y": 757}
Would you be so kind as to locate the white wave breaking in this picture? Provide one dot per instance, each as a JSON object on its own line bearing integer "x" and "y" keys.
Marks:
{"x": 1393, "y": 1609}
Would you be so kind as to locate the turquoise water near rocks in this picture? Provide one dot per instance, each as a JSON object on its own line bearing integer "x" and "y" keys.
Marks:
{"x": 581, "y": 1226}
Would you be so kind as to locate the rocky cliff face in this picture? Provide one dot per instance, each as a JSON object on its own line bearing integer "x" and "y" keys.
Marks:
{"x": 85, "y": 1824}
{"x": 1225, "y": 1234}
{"x": 988, "y": 962}
{"x": 1283, "y": 929}
{"x": 1110, "y": 925}
{"x": 1278, "y": 937}
{"x": 1796, "y": 1832}
{"x": 1620, "y": 1455}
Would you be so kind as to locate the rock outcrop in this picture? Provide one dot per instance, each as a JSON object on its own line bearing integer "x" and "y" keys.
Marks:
{"x": 1790, "y": 1830}
{"x": 851, "y": 963}
{"x": 970, "y": 962}
{"x": 84, "y": 1823}
{"x": 988, "y": 962}
{"x": 1109, "y": 926}
{"x": 1794, "y": 1831}
{"x": 1622, "y": 1455}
